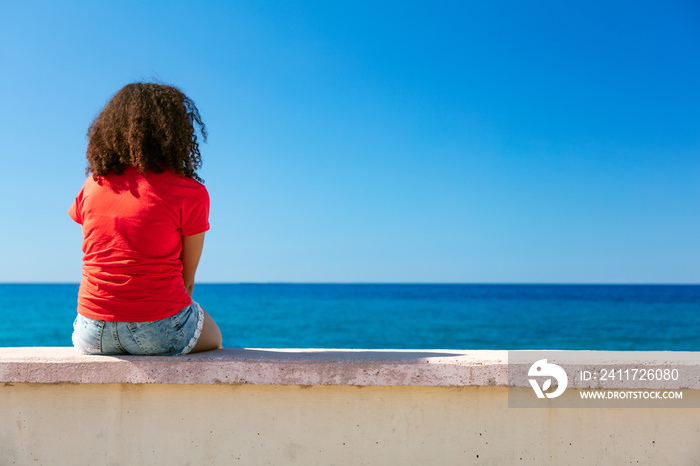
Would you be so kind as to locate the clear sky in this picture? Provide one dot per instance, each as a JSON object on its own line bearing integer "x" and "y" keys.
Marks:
{"x": 477, "y": 142}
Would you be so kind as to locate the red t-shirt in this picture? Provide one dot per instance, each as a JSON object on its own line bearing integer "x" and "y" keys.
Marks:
{"x": 133, "y": 226}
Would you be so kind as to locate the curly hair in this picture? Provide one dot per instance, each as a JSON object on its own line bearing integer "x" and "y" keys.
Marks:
{"x": 148, "y": 126}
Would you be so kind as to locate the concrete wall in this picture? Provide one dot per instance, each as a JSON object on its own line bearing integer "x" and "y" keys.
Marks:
{"x": 201, "y": 421}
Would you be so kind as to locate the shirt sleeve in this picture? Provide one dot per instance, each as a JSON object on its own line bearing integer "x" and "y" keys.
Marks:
{"x": 195, "y": 212}
{"x": 75, "y": 209}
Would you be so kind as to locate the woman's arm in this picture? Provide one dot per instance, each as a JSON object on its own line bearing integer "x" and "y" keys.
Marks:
{"x": 191, "y": 252}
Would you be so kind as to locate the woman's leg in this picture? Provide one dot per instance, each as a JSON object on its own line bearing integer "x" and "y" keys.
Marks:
{"x": 210, "y": 338}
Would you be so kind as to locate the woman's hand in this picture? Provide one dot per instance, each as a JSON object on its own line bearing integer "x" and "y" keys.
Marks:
{"x": 191, "y": 252}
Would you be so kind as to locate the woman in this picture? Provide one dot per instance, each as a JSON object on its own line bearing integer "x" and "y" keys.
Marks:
{"x": 144, "y": 212}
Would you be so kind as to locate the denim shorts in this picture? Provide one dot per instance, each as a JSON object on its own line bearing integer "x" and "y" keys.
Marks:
{"x": 174, "y": 335}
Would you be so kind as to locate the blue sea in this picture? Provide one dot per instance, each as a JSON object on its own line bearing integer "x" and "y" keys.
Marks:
{"x": 403, "y": 316}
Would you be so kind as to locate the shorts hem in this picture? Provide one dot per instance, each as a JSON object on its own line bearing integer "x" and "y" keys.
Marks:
{"x": 197, "y": 333}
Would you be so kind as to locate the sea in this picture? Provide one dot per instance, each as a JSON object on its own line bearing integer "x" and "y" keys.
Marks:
{"x": 403, "y": 316}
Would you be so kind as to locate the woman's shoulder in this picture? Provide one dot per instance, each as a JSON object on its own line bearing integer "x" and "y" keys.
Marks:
{"x": 174, "y": 187}
{"x": 179, "y": 181}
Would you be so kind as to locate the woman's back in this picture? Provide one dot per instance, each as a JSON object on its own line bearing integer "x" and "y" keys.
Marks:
{"x": 133, "y": 226}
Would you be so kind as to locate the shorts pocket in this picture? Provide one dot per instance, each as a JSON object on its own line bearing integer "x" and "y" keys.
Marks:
{"x": 87, "y": 335}
{"x": 159, "y": 337}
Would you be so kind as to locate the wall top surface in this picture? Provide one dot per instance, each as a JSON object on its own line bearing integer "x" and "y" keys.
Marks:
{"x": 268, "y": 366}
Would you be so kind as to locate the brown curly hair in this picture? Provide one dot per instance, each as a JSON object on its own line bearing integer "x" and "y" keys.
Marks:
{"x": 148, "y": 126}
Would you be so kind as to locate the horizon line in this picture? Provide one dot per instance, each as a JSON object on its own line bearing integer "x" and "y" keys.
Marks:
{"x": 404, "y": 283}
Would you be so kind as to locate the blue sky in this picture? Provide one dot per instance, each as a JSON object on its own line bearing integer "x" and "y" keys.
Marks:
{"x": 477, "y": 142}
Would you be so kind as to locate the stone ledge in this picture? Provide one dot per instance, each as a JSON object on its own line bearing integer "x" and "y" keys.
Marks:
{"x": 444, "y": 368}
{"x": 259, "y": 366}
